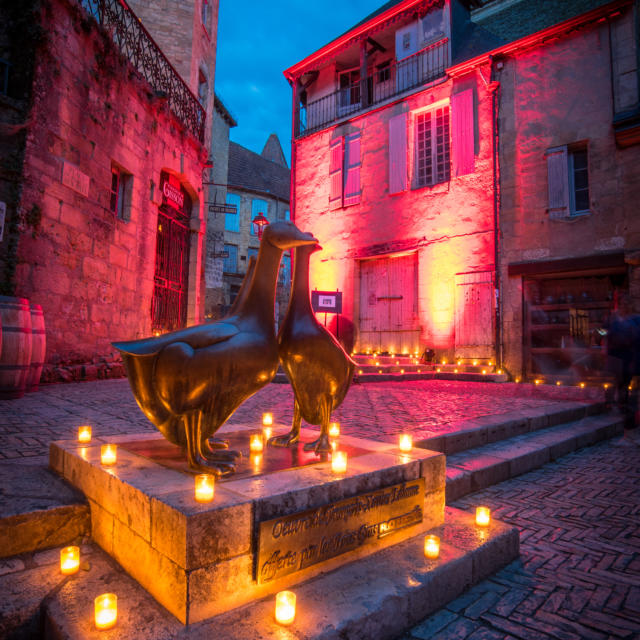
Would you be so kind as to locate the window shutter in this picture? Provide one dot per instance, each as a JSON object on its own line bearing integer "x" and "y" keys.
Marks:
{"x": 398, "y": 153}
{"x": 352, "y": 165}
{"x": 463, "y": 139}
{"x": 558, "y": 180}
{"x": 335, "y": 173}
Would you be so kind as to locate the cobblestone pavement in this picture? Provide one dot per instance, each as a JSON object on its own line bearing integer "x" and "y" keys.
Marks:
{"x": 578, "y": 576}
{"x": 377, "y": 411}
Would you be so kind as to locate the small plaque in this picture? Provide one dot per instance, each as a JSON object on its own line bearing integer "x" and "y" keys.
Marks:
{"x": 75, "y": 179}
{"x": 223, "y": 208}
{"x": 294, "y": 542}
{"x": 327, "y": 301}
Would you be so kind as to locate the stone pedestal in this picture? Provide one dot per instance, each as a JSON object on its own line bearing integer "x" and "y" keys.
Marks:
{"x": 199, "y": 560}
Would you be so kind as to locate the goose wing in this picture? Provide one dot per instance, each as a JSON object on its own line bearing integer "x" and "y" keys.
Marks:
{"x": 198, "y": 337}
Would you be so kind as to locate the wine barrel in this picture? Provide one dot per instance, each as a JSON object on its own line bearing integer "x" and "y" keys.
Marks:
{"x": 38, "y": 347}
{"x": 15, "y": 358}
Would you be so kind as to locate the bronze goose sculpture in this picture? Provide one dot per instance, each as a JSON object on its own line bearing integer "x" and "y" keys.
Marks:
{"x": 319, "y": 369}
{"x": 189, "y": 382}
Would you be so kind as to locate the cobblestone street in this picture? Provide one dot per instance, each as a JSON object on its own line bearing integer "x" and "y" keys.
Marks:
{"x": 376, "y": 411}
{"x": 578, "y": 576}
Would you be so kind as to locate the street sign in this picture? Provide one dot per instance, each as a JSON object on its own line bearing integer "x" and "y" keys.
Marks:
{"x": 223, "y": 208}
{"x": 327, "y": 301}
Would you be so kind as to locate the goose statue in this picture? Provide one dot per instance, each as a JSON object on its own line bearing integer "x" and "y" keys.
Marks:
{"x": 189, "y": 382}
{"x": 319, "y": 369}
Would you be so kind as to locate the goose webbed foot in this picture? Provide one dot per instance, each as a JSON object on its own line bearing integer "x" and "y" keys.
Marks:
{"x": 216, "y": 453}
{"x": 217, "y": 443}
{"x": 286, "y": 440}
{"x": 218, "y": 468}
{"x": 321, "y": 445}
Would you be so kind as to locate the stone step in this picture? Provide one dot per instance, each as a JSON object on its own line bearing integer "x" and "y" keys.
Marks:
{"x": 39, "y": 510}
{"x": 487, "y": 465}
{"x": 379, "y": 597}
{"x": 484, "y": 430}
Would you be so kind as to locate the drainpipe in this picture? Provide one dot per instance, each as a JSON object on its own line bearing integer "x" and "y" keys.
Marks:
{"x": 494, "y": 87}
{"x": 295, "y": 130}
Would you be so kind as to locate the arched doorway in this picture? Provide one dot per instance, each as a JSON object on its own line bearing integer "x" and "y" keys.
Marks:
{"x": 171, "y": 276}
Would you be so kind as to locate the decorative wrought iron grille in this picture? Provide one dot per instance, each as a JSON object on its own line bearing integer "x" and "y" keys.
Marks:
{"x": 138, "y": 46}
{"x": 385, "y": 83}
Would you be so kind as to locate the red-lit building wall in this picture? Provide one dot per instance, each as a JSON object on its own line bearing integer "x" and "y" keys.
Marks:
{"x": 91, "y": 271}
{"x": 449, "y": 225}
{"x": 555, "y": 94}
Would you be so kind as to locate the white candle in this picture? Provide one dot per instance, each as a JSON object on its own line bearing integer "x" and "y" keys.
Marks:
{"x": 285, "y": 607}
{"x": 69, "y": 560}
{"x": 106, "y": 610}
{"x": 339, "y": 461}
{"x": 205, "y": 486}
{"x": 108, "y": 454}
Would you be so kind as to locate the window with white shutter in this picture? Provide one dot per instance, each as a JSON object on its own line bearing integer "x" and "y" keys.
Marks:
{"x": 568, "y": 180}
{"x": 432, "y": 148}
{"x": 335, "y": 173}
{"x": 352, "y": 165}
{"x": 462, "y": 133}
{"x": 398, "y": 153}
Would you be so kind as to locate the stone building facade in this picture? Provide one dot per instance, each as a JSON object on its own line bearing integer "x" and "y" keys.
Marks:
{"x": 256, "y": 184}
{"x": 101, "y": 167}
{"x": 452, "y": 157}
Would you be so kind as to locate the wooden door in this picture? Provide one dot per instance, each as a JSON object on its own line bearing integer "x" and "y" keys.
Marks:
{"x": 388, "y": 304}
{"x": 474, "y": 315}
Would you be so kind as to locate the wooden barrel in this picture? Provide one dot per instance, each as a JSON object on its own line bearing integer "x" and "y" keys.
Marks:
{"x": 38, "y": 347}
{"x": 15, "y": 359}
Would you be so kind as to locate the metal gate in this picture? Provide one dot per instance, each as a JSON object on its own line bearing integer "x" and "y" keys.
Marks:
{"x": 388, "y": 304}
{"x": 171, "y": 278}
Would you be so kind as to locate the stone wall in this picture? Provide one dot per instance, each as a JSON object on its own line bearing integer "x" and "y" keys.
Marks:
{"x": 449, "y": 225}
{"x": 554, "y": 95}
{"x": 91, "y": 271}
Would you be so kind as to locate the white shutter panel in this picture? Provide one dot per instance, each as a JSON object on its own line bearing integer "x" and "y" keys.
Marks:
{"x": 463, "y": 140}
{"x": 335, "y": 173}
{"x": 558, "y": 181}
{"x": 352, "y": 165}
{"x": 398, "y": 153}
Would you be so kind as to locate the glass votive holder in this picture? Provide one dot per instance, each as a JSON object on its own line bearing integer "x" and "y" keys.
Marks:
{"x": 285, "y": 607}
{"x": 405, "y": 442}
{"x": 84, "y": 434}
{"x": 431, "y": 547}
{"x": 205, "y": 486}
{"x": 106, "y": 610}
{"x": 108, "y": 454}
{"x": 69, "y": 560}
{"x": 483, "y": 516}
{"x": 339, "y": 461}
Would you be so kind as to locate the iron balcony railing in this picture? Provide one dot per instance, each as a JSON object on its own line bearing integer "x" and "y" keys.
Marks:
{"x": 145, "y": 55}
{"x": 388, "y": 81}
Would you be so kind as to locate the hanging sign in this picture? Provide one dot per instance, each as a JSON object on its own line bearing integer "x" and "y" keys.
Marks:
{"x": 327, "y": 301}
{"x": 173, "y": 195}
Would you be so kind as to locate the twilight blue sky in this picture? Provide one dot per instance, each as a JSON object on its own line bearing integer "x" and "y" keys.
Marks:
{"x": 257, "y": 41}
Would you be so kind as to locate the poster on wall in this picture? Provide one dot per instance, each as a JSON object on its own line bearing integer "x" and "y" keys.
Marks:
{"x": 326, "y": 301}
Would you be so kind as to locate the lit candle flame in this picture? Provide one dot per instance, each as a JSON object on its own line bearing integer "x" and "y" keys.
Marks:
{"x": 84, "y": 434}
{"x": 267, "y": 419}
{"x": 483, "y": 516}
{"x": 69, "y": 560}
{"x": 334, "y": 429}
{"x": 205, "y": 486}
{"x": 285, "y": 607}
{"x": 108, "y": 454}
{"x": 255, "y": 443}
{"x": 405, "y": 443}
{"x": 431, "y": 547}
{"x": 106, "y": 610}
{"x": 339, "y": 461}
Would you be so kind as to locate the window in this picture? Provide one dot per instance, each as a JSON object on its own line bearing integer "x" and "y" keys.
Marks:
{"x": 344, "y": 171}
{"x": 349, "y": 90}
{"x": 203, "y": 88}
{"x": 232, "y": 220}
{"x": 231, "y": 261}
{"x": 120, "y": 193}
{"x": 432, "y": 153}
{"x": 205, "y": 14}
{"x": 568, "y": 180}
{"x": 258, "y": 206}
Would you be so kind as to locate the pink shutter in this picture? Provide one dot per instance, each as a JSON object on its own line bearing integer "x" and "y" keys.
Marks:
{"x": 558, "y": 182}
{"x": 398, "y": 153}
{"x": 335, "y": 173}
{"x": 463, "y": 138}
{"x": 352, "y": 164}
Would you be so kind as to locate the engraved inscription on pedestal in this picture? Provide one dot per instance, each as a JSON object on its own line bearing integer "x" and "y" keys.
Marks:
{"x": 296, "y": 541}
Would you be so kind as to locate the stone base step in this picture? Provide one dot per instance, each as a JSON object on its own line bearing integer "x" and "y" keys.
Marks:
{"x": 379, "y": 597}
{"x": 487, "y": 465}
{"x": 39, "y": 510}
{"x": 477, "y": 432}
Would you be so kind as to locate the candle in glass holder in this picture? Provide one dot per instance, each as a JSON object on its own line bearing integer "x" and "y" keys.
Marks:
{"x": 84, "y": 433}
{"x": 266, "y": 433}
{"x": 405, "y": 443}
{"x": 334, "y": 429}
{"x": 339, "y": 461}
{"x": 106, "y": 610}
{"x": 255, "y": 443}
{"x": 483, "y": 516}
{"x": 69, "y": 560}
{"x": 285, "y": 607}
{"x": 431, "y": 547}
{"x": 267, "y": 419}
{"x": 108, "y": 454}
{"x": 205, "y": 485}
